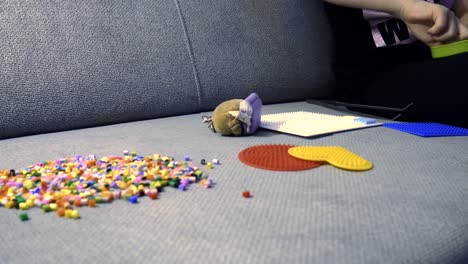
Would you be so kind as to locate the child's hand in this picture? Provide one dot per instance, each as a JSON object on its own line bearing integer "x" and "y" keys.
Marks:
{"x": 463, "y": 32}
{"x": 431, "y": 23}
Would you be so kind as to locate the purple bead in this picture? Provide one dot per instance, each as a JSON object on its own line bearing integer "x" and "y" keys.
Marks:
{"x": 184, "y": 181}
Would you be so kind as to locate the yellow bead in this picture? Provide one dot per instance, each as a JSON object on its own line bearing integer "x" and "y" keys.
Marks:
{"x": 23, "y": 206}
{"x": 10, "y": 205}
{"x": 30, "y": 203}
{"x": 68, "y": 213}
{"x": 74, "y": 214}
{"x": 209, "y": 165}
{"x": 53, "y": 206}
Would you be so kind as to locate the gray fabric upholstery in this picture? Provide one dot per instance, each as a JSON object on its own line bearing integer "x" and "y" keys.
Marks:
{"x": 68, "y": 64}
{"x": 410, "y": 208}
{"x": 276, "y": 48}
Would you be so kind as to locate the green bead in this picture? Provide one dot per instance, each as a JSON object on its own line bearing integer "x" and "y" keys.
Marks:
{"x": 99, "y": 199}
{"x": 164, "y": 183}
{"x": 24, "y": 217}
{"x": 174, "y": 183}
{"x": 46, "y": 208}
{"x": 20, "y": 199}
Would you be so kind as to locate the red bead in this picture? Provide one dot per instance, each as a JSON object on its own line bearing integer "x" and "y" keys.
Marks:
{"x": 246, "y": 194}
{"x": 153, "y": 195}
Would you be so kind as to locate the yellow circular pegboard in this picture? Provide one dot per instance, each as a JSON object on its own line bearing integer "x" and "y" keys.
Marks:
{"x": 335, "y": 155}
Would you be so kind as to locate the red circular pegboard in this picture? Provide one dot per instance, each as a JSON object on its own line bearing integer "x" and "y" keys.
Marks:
{"x": 274, "y": 157}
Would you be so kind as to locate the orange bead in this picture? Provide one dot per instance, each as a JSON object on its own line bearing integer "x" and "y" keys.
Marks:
{"x": 61, "y": 212}
{"x": 92, "y": 203}
{"x": 77, "y": 203}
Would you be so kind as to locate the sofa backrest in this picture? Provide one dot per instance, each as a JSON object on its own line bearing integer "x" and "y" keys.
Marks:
{"x": 74, "y": 64}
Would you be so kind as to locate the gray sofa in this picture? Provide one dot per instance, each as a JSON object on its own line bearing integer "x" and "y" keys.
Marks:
{"x": 98, "y": 77}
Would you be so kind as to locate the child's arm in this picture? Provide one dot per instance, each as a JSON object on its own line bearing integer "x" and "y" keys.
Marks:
{"x": 460, "y": 9}
{"x": 431, "y": 23}
{"x": 389, "y": 6}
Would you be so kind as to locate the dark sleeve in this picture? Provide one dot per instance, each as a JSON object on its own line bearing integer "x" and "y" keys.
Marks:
{"x": 356, "y": 59}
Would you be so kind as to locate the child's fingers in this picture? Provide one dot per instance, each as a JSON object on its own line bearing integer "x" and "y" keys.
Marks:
{"x": 449, "y": 31}
{"x": 441, "y": 20}
{"x": 452, "y": 33}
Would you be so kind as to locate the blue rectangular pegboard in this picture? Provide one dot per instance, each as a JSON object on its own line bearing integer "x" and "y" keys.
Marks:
{"x": 428, "y": 129}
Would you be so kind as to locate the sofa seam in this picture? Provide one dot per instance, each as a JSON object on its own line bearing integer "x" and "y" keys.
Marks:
{"x": 188, "y": 42}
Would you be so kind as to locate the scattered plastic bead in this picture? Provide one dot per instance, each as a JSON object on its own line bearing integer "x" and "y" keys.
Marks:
{"x": 68, "y": 213}
{"x": 203, "y": 162}
{"x": 75, "y": 214}
{"x": 46, "y": 208}
{"x": 209, "y": 165}
{"x": 187, "y": 158}
{"x": 216, "y": 161}
{"x": 77, "y": 203}
{"x": 133, "y": 199}
{"x": 61, "y": 212}
{"x": 92, "y": 203}
{"x": 23, "y": 206}
{"x": 153, "y": 195}
{"x": 65, "y": 184}
{"x": 10, "y": 205}
{"x": 207, "y": 183}
{"x": 246, "y": 194}
{"x": 53, "y": 206}
{"x": 23, "y": 217}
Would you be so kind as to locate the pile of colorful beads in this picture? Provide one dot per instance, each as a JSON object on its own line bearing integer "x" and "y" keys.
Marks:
{"x": 64, "y": 185}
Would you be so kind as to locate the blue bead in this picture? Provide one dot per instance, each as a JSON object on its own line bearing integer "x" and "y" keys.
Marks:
{"x": 133, "y": 199}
